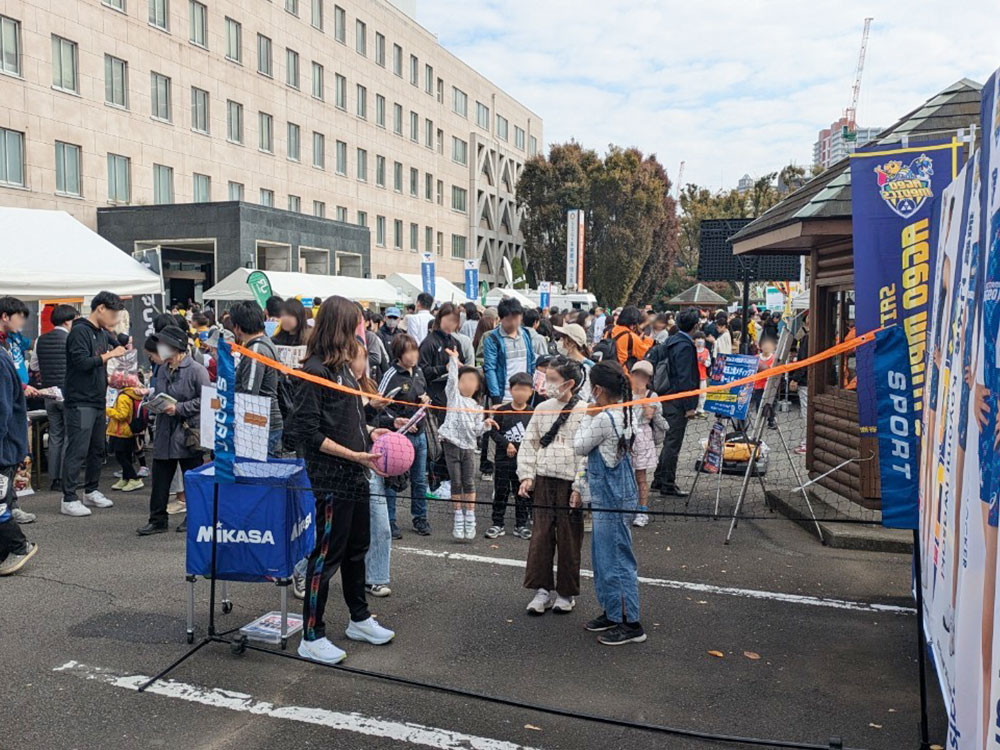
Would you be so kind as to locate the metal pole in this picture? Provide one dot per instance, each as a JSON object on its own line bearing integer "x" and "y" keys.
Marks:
{"x": 921, "y": 643}
{"x": 744, "y": 341}
{"x": 211, "y": 587}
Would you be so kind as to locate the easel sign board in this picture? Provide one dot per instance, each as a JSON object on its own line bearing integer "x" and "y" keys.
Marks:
{"x": 734, "y": 403}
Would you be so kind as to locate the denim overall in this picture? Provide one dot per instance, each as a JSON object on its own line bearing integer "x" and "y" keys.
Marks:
{"x": 616, "y": 580}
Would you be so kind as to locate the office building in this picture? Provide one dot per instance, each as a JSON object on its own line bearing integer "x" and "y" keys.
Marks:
{"x": 831, "y": 144}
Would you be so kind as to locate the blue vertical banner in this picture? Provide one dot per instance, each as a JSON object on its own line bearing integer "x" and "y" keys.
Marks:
{"x": 892, "y": 196}
{"x": 544, "y": 294}
{"x": 225, "y": 416}
{"x": 471, "y": 279}
{"x": 427, "y": 280}
{"x": 898, "y": 429}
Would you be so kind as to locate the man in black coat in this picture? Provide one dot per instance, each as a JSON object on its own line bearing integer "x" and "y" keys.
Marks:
{"x": 50, "y": 351}
{"x": 682, "y": 363}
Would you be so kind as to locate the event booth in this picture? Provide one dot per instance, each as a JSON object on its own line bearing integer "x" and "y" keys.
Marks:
{"x": 411, "y": 286}
{"x": 308, "y": 285}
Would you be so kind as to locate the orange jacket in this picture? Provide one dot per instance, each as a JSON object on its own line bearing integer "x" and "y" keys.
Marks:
{"x": 120, "y": 415}
{"x": 640, "y": 344}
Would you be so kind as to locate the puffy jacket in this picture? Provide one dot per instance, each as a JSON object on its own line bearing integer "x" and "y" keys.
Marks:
{"x": 495, "y": 360}
{"x": 50, "y": 349}
{"x": 121, "y": 413}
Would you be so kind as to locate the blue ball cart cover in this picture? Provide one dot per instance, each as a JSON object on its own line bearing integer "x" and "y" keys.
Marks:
{"x": 266, "y": 520}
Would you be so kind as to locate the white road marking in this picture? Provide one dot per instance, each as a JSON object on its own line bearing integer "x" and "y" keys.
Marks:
{"x": 414, "y": 734}
{"x": 701, "y": 588}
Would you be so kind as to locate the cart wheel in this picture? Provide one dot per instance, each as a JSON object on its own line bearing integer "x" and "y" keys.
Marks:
{"x": 227, "y": 607}
{"x": 284, "y": 643}
{"x": 239, "y": 646}
{"x": 190, "y": 637}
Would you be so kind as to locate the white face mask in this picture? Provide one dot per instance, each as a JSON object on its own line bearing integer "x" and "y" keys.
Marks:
{"x": 165, "y": 352}
{"x": 700, "y": 344}
{"x": 561, "y": 348}
{"x": 552, "y": 390}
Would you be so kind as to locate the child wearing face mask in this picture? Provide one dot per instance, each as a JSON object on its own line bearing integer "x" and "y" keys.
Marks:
{"x": 704, "y": 364}
{"x": 547, "y": 466}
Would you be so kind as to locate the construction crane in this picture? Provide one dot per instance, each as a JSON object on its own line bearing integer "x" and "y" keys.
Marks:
{"x": 680, "y": 177}
{"x": 851, "y": 129}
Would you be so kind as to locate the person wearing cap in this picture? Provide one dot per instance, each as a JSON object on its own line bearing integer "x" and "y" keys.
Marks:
{"x": 390, "y": 327}
{"x": 571, "y": 342}
{"x": 181, "y": 378}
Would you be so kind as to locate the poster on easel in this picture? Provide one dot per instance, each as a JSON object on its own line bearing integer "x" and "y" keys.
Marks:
{"x": 734, "y": 402}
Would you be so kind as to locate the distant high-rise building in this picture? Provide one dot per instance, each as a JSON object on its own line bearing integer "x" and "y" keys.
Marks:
{"x": 745, "y": 183}
{"x": 831, "y": 146}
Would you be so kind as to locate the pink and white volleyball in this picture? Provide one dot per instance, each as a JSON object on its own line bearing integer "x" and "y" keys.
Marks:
{"x": 395, "y": 453}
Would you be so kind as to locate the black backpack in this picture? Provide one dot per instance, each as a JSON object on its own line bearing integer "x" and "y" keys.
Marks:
{"x": 608, "y": 349}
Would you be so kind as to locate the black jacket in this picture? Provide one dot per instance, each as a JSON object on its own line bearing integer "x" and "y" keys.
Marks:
{"x": 412, "y": 387}
{"x": 387, "y": 335}
{"x": 512, "y": 427}
{"x": 680, "y": 352}
{"x": 86, "y": 381}
{"x": 51, "y": 352}
{"x": 434, "y": 363}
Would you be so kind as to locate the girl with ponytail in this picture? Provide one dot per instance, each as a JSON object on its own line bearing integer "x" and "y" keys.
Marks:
{"x": 605, "y": 438}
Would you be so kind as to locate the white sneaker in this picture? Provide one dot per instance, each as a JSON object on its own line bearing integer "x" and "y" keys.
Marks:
{"x": 96, "y": 499}
{"x": 459, "y": 529}
{"x": 143, "y": 471}
{"x": 22, "y": 516}
{"x": 74, "y": 508}
{"x": 369, "y": 631}
{"x": 470, "y": 525}
{"x": 640, "y": 520}
{"x": 564, "y": 604}
{"x": 443, "y": 492}
{"x": 543, "y": 600}
{"x": 321, "y": 650}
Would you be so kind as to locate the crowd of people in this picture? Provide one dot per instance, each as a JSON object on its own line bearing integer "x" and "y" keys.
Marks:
{"x": 523, "y": 398}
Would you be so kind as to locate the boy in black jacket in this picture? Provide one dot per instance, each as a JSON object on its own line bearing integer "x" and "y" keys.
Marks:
{"x": 508, "y": 441}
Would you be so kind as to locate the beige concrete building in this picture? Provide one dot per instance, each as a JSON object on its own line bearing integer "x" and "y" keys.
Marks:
{"x": 346, "y": 109}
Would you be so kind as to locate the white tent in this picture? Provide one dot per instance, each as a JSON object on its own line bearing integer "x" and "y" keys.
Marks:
{"x": 289, "y": 284}
{"x": 801, "y": 300}
{"x": 412, "y": 285}
{"x": 496, "y": 294}
{"x": 51, "y": 255}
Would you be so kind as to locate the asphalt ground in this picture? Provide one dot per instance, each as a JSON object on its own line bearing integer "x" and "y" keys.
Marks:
{"x": 98, "y": 608}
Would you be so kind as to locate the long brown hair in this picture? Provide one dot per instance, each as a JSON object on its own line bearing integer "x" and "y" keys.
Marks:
{"x": 334, "y": 337}
{"x": 487, "y": 323}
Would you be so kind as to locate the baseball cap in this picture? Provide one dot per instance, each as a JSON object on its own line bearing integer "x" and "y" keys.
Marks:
{"x": 643, "y": 366}
{"x": 573, "y": 331}
{"x": 392, "y": 312}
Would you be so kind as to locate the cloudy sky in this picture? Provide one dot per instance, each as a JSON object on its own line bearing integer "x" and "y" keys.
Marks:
{"x": 729, "y": 86}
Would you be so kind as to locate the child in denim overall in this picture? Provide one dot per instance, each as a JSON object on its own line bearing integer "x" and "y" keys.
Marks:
{"x": 605, "y": 438}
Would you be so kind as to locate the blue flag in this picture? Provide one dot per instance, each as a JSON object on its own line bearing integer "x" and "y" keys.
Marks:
{"x": 225, "y": 416}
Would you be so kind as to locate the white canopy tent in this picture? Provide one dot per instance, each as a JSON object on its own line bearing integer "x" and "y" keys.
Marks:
{"x": 801, "y": 300}
{"x": 51, "y": 255}
{"x": 412, "y": 285}
{"x": 290, "y": 284}
{"x": 495, "y": 295}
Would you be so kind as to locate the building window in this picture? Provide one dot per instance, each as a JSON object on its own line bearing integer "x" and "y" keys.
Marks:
{"x": 518, "y": 138}
{"x": 342, "y": 213}
{"x": 340, "y": 89}
{"x": 414, "y": 182}
{"x": 380, "y": 231}
{"x": 163, "y": 184}
{"x": 64, "y": 64}
{"x": 414, "y": 127}
{"x": 67, "y": 169}
{"x": 119, "y": 178}
{"x": 397, "y": 177}
{"x": 319, "y": 87}
{"x": 199, "y": 110}
{"x": 397, "y": 60}
{"x": 440, "y": 141}
{"x": 319, "y": 150}
{"x": 440, "y": 91}
{"x": 379, "y": 49}
{"x": 292, "y": 6}
{"x": 429, "y": 79}
{"x": 362, "y": 165}
{"x": 414, "y": 70}
{"x": 502, "y": 126}
{"x": 532, "y": 145}
{"x": 267, "y": 197}
{"x": 319, "y": 209}
{"x": 429, "y": 134}
{"x": 428, "y": 239}
{"x": 414, "y": 238}
{"x": 10, "y": 46}
{"x": 362, "y": 219}
{"x": 341, "y": 158}
{"x": 202, "y": 188}
{"x": 339, "y": 24}
{"x": 160, "y": 96}
{"x": 482, "y": 116}
{"x": 361, "y": 34}
{"x": 158, "y": 14}
{"x": 379, "y": 171}
{"x": 440, "y": 192}
{"x": 115, "y": 82}
{"x": 317, "y": 14}
{"x": 295, "y": 203}
{"x": 397, "y": 119}
{"x": 234, "y": 121}
{"x": 234, "y": 40}
{"x": 264, "y": 66}
{"x": 429, "y": 186}
{"x": 397, "y": 234}
{"x": 459, "y": 102}
{"x": 362, "y": 102}
{"x": 292, "y": 68}
{"x": 235, "y": 191}
{"x": 266, "y": 127}
{"x": 199, "y": 24}
{"x": 116, "y": 4}
{"x": 440, "y": 243}
{"x": 458, "y": 196}
{"x": 380, "y": 110}
{"x": 294, "y": 142}
{"x": 458, "y": 246}
{"x": 459, "y": 151}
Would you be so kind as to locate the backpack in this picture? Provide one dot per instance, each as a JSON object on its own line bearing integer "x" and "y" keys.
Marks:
{"x": 608, "y": 349}
{"x": 661, "y": 377}
{"x": 140, "y": 418}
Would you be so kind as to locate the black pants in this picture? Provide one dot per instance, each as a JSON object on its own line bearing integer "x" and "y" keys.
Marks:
{"x": 505, "y": 484}
{"x": 12, "y": 541}
{"x": 343, "y": 532}
{"x": 163, "y": 474}
{"x": 124, "y": 449}
{"x": 666, "y": 467}
{"x": 84, "y": 446}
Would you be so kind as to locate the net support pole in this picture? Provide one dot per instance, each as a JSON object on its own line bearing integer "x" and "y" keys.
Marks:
{"x": 921, "y": 643}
